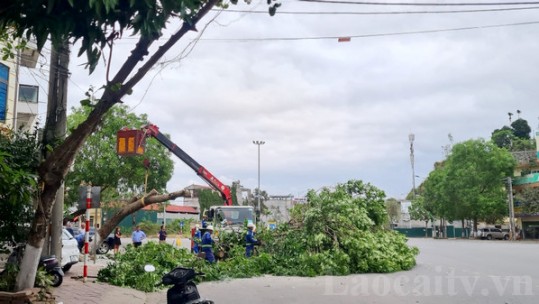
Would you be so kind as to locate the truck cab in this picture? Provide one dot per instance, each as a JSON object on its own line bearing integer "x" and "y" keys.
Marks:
{"x": 231, "y": 217}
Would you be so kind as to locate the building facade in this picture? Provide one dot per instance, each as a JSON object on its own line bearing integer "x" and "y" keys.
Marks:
{"x": 526, "y": 176}
{"x": 18, "y": 102}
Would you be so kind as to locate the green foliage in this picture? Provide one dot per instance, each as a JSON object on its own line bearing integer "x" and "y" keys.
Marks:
{"x": 9, "y": 45}
{"x": 337, "y": 232}
{"x": 19, "y": 156}
{"x": 420, "y": 210}
{"x": 99, "y": 164}
{"x": 470, "y": 184}
{"x": 128, "y": 269}
{"x": 521, "y": 129}
{"x": 393, "y": 209}
{"x": 528, "y": 199}
{"x": 514, "y": 138}
{"x": 9, "y": 276}
{"x": 208, "y": 198}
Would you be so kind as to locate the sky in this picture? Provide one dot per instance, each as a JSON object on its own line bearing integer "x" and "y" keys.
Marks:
{"x": 332, "y": 111}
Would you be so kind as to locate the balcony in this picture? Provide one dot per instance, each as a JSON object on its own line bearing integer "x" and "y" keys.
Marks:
{"x": 526, "y": 179}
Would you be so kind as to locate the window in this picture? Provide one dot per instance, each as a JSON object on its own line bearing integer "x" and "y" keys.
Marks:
{"x": 28, "y": 93}
{"x": 4, "y": 74}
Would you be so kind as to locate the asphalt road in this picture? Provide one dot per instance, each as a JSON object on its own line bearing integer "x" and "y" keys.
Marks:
{"x": 447, "y": 271}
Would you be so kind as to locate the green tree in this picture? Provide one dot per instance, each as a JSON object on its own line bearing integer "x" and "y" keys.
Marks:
{"x": 98, "y": 24}
{"x": 503, "y": 137}
{"x": 514, "y": 138}
{"x": 393, "y": 210}
{"x": 117, "y": 175}
{"x": 19, "y": 157}
{"x": 470, "y": 184}
{"x": 420, "y": 210}
{"x": 208, "y": 198}
{"x": 528, "y": 199}
{"x": 521, "y": 129}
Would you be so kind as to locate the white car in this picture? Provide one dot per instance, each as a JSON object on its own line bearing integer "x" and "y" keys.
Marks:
{"x": 70, "y": 251}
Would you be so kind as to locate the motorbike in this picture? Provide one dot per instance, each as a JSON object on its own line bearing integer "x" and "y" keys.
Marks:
{"x": 183, "y": 290}
{"x": 49, "y": 263}
{"x": 53, "y": 268}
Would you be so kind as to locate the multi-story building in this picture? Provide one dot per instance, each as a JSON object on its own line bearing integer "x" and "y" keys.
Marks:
{"x": 18, "y": 102}
{"x": 527, "y": 175}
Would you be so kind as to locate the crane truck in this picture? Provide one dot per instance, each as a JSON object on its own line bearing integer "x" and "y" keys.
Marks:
{"x": 131, "y": 142}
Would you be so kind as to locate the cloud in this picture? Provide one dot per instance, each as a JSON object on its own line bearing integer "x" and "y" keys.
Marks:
{"x": 331, "y": 111}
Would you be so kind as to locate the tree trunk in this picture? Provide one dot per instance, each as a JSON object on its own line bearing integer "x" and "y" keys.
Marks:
{"x": 53, "y": 170}
{"x": 132, "y": 207}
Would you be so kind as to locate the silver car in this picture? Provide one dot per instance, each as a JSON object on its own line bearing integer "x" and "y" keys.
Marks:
{"x": 493, "y": 233}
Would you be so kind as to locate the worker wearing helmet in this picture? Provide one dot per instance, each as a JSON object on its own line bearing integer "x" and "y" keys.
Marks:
{"x": 250, "y": 240}
{"x": 207, "y": 244}
{"x": 197, "y": 238}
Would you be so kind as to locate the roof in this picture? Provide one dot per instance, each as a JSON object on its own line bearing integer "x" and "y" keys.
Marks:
{"x": 172, "y": 209}
{"x": 198, "y": 187}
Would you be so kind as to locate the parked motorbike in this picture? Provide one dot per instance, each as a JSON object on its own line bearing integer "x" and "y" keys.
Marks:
{"x": 49, "y": 263}
{"x": 53, "y": 268}
{"x": 183, "y": 290}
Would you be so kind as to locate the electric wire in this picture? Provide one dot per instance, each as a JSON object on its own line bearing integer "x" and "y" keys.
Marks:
{"x": 372, "y": 35}
{"x": 388, "y": 13}
{"x": 422, "y": 4}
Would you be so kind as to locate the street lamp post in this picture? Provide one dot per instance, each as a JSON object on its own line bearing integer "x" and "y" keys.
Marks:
{"x": 411, "y": 137}
{"x": 258, "y": 143}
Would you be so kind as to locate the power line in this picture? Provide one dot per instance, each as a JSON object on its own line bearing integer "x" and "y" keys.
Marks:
{"x": 421, "y": 4}
{"x": 388, "y": 13}
{"x": 373, "y": 35}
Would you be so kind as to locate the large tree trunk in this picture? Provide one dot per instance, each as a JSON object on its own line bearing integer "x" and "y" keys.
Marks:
{"x": 132, "y": 207}
{"x": 54, "y": 169}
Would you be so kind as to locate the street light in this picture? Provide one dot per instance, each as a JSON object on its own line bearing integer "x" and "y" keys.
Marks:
{"x": 411, "y": 138}
{"x": 258, "y": 143}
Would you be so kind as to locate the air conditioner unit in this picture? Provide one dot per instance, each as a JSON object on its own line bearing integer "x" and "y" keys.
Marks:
{"x": 29, "y": 55}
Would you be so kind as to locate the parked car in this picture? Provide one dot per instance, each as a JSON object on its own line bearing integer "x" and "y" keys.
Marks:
{"x": 493, "y": 233}
{"x": 107, "y": 244}
{"x": 70, "y": 251}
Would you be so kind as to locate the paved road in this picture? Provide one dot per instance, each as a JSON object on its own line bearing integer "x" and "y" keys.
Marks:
{"x": 448, "y": 271}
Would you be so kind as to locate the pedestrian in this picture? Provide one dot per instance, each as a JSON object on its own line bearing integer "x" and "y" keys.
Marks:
{"x": 117, "y": 240}
{"x": 137, "y": 236}
{"x": 162, "y": 235}
{"x": 197, "y": 238}
{"x": 207, "y": 244}
{"x": 250, "y": 240}
{"x": 68, "y": 227}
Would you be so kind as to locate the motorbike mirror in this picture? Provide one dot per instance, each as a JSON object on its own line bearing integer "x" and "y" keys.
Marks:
{"x": 149, "y": 268}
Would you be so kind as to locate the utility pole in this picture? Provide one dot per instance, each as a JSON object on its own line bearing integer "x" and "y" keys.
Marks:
{"x": 511, "y": 209}
{"x": 258, "y": 143}
{"x": 55, "y": 131}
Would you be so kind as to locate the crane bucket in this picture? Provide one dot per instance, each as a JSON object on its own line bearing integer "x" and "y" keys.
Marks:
{"x": 130, "y": 142}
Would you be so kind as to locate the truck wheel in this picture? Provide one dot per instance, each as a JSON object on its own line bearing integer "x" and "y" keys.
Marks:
{"x": 506, "y": 237}
{"x": 489, "y": 237}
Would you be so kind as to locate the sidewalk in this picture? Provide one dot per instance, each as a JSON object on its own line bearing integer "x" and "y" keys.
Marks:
{"x": 74, "y": 290}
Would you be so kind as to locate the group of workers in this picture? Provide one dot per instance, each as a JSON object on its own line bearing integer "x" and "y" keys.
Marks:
{"x": 204, "y": 242}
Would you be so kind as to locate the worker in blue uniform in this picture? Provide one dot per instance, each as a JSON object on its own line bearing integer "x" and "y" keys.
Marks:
{"x": 207, "y": 244}
{"x": 197, "y": 238}
{"x": 250, "y": 240}
{"x": 204, "y": 221}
